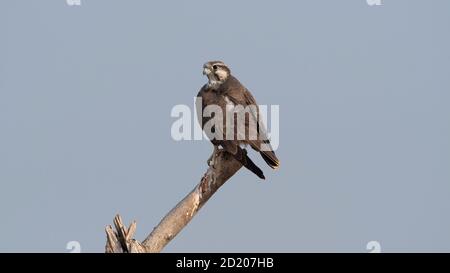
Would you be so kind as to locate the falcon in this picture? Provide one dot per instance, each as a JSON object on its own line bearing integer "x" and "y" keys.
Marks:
{"x": 229, "y": 99}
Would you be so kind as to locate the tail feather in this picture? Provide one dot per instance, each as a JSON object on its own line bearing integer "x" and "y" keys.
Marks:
{"x": 271, "y": 159}
{"x": 253, "y": 168}
{"x": 241, "y": 156}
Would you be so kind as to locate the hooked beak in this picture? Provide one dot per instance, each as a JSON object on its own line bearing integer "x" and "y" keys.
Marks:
{"x": 206, "y": 71}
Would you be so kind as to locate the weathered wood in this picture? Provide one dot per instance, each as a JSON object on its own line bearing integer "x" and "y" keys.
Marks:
{"x": 121, "y": 239}
{"x": 223, "y": 167}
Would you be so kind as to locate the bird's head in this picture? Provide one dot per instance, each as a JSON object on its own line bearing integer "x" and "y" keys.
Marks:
{"x": 217, "y": 73}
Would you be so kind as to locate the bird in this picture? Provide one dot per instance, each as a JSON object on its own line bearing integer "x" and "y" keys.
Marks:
{"x": 224, "y": 91}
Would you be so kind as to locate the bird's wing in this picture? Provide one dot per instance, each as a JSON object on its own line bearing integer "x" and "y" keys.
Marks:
{"x": 254, "y": 126}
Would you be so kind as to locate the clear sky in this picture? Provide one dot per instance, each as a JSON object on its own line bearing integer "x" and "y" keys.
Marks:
{"x": 86, "y": 94}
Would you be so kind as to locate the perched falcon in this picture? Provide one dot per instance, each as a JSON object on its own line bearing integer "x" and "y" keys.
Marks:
{"x": 225, "y": 92}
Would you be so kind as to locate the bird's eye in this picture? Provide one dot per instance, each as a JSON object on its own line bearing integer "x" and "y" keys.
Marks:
{"x": 215, "y": 67}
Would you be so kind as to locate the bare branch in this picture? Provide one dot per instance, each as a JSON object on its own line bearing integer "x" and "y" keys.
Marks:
{"x": 120, "y": 241}
{"x": 224, "y": 166}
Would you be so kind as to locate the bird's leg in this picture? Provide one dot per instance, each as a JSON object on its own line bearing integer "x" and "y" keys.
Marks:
{"x": 212, "y": 159}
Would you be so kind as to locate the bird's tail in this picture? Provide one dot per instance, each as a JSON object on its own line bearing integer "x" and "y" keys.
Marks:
{"x": 242, "y": 157}
{"x": 271, "y": 159}
{"x": 253, "y": 168}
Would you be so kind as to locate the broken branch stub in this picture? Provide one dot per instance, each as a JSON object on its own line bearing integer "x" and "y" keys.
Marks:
{"x": 120, "y": 241}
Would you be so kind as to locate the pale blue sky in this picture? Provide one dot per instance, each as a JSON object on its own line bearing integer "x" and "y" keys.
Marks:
{"x": 85, "y": 100}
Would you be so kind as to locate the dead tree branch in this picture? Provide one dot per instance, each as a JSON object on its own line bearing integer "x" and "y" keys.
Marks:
{"x": 121, "y": 239}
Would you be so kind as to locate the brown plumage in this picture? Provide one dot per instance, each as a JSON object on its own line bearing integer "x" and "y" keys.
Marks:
{"x": 225, "y": 91}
